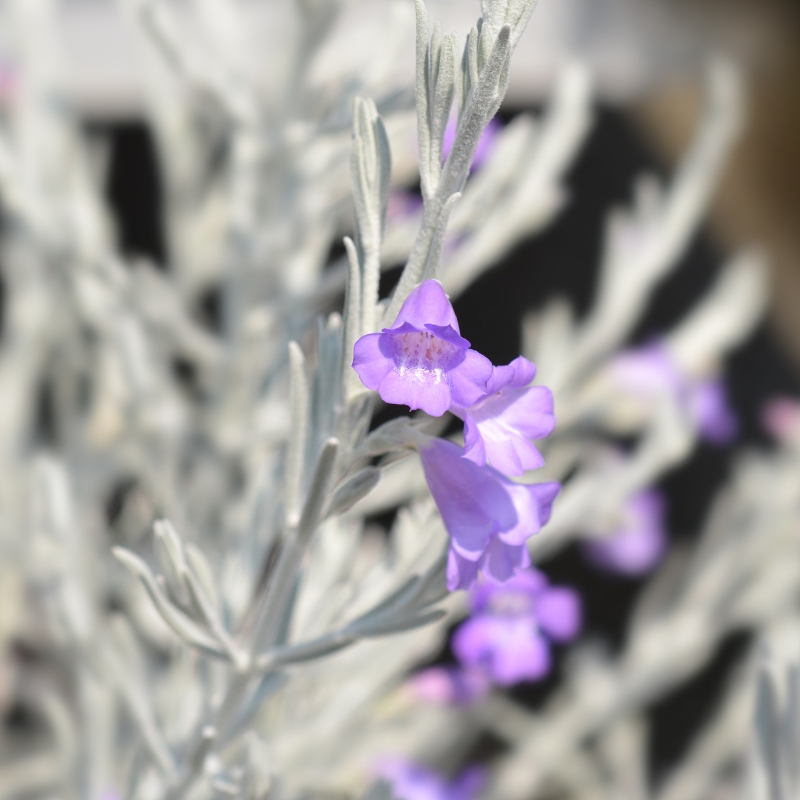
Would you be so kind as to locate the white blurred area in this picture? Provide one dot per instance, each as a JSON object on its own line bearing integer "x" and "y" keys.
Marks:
{"x": 631, "y": 45}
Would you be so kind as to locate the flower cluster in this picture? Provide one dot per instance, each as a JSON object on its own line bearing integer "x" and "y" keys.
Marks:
{"x": 423, "y": 362}
{"x": 506, "y": 640}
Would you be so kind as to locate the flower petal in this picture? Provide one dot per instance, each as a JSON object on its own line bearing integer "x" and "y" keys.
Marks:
{"x": 468, "y": 379}
{"x": 519, "y": 373}
{"x": 371, "y": 360}
{"x": 533, "y": 503}
{"x": 546, "y": 494}
{"x": 473, "y": 501}
{"x": 449, "y": 334}
{"x": 530, "y": 582}
{"x": 461, "y": 573}
{"x": 507, "y": 421}
{"x": 428, "y": 303}
{"x": 419, "y": 389}
{"x": 406, "y": 327}
{"x": 501, "y": 561}
{"x": 474, "y": 640}
{"x": 474, "y": 448}
{"x": 558, "y": 612}
{"x": 523, "y": 658}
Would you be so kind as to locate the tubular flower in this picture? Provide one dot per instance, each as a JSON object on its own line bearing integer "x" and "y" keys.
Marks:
{"x": 638, "y": 545}
{"x": 489, "y": 518}
{"x": 512, "y": 625}
{"x": 499, "y": 427}
{"x": 423, "y": 361}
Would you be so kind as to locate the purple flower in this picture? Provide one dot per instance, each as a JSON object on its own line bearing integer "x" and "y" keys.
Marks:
{"x": 510, "y": 631}
{"x": 485, "y": 143}
{"x": 499, "y": 427}
{"x": 423, "y": 361}
{"x": 412, "y": 782}
{"x": 489, "y": 518}
{"x": 640, "y": 542}
{"x": 651, "y": 370}
{"x": 449, "y": 685}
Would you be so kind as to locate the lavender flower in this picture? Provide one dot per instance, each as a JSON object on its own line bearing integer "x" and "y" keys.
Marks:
{"x": 410, "y": 781}
{"x": 640, "y": 542}
{"x": 510, "y": 631}
{"x": 499, "y": 427}
{"x": 423, "y": 361}
{"x": 489, "y": 518}
{"x": 651, "y": 370}
{"x": 485, "y": 143}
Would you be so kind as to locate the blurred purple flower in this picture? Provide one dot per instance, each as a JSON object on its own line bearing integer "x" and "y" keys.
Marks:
{"x": 485, "y": 143}
{"x": 639, "y": 544}
{"x": 423, "y": 361}
{"x": 449, "y": 685}
{"x": 650, "y": 370}
{"x": 510, "y": 631}
{"x": 489, "y": 518}
{"x": 499, "y": 427}
{"x": 410, "y": 781}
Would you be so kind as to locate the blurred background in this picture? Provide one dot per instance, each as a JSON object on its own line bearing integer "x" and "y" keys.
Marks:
{"x": 648, "y": 58}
